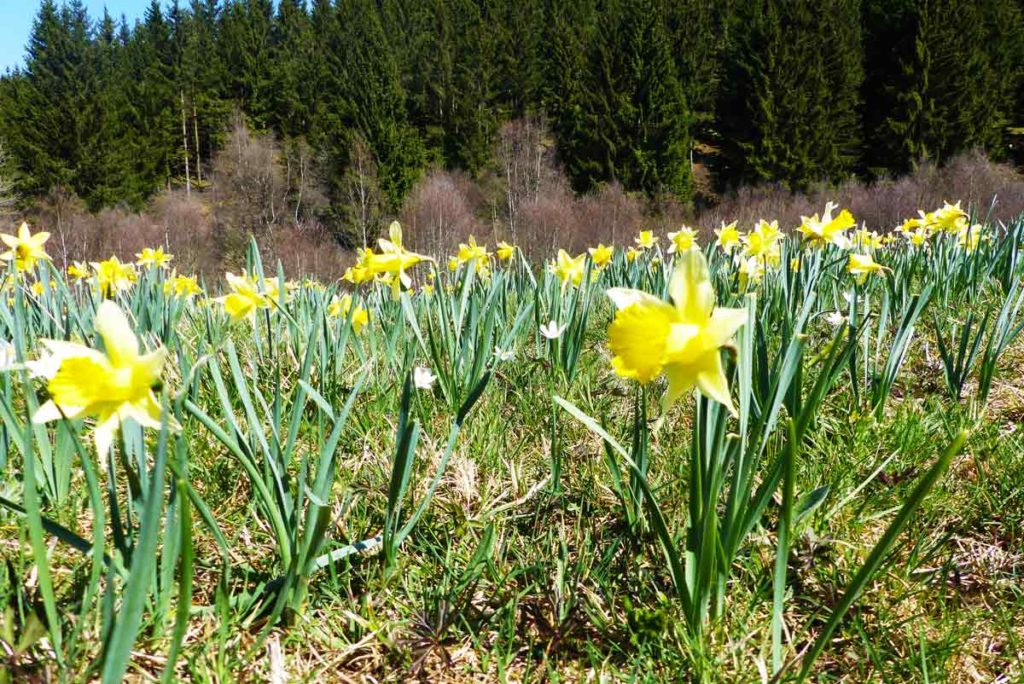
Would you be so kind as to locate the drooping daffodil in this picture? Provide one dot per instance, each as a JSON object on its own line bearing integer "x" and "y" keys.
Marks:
{"x": 394, "y": 260}
{"x": 79, "y": 270}
{"x": 504, "y": 251}
{"x": 860, "y": 266}
{"x": 245, "y": 296}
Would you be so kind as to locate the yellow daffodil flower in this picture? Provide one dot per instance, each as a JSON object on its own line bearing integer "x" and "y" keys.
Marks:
{"x": 601, "y": 255}
{"x": 631, "y": 254}
{"x": 182, "y": 286}
{"x": 359, "y": 273}
{"x": 646, "y": 239}
{"x": 111, "y": 386}
{"x": 950, "y": 218}
{"x": 153, "y": 257}
{"x": 970, "y": 237}
{"x": 245, "y": 297}
{"x": 763, "y": 243}
{"x": 568, "y": 269}
{"x": 471, "y": 252}
{"x": 827, "y": 230}
{"x": 339, "y": 308}
{"x": 683, "y": 240}
{"x": 394, "y": 260}
{"x": 114, "y": 277}
{"x": 751, "y": 271}
{"x": 505, "y": 251}
{"x": 867, "y": 239}
{"x": 728, "y": 237}
{"x": 649, "y": 337}
{"x": 861, "y": 266}
{"x": 25, "y": 248}
{"x": 919, "y": 236}
{"x": 912, "y": 224}
{"x": 79, "y": 270}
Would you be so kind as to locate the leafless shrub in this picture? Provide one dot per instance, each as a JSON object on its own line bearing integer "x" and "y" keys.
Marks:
{"x": 971, "y": 178}
{"x": 248, "y": 187}
{"x": 364, "y": 203}
{"x": 439, "y": 213}
{"x": 307, "y": 248}
{"x": 256, "y": 189}
{"x": 526, "y": 156}
{"x": 187, "y": 231}
{"x": 545, "y": 222}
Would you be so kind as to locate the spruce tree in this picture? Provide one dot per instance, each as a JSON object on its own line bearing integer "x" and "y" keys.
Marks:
{"x": 569, "y": 30}
{"x": 637, "y": 124}
{"x": 373, "y": 101}
{"x": 154, "y": 98}
{"x": 942, "y": 77}
{"x": 292, "y": 85}
{"x": 46, "y": 114}
{"x": 244, "y": 40}
{"x": 790, "y": 102}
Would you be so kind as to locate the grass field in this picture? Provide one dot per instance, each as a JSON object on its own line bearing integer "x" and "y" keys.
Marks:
{"x": 795, "y": 458}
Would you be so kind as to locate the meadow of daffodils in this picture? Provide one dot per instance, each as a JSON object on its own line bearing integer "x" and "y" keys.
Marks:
{"x": 774, "y": 454}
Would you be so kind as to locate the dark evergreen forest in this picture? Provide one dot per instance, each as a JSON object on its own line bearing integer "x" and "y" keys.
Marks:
{"x": 634, "y": 91}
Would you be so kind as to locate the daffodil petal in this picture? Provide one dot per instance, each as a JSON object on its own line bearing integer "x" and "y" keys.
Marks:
{"x": 103, "y": 434}
{"x": 118, "y": 337}
{"x": 146, "y": 412}
{"x": 638, "y": 337}
{"x": 49, "y": 412}
{"x": 691, "y": 288}
{"x": 722, "y": 326}
{"x": 712, "y": 382}
{"x": 623, "y": 297}
{"x": 681, "y": 379}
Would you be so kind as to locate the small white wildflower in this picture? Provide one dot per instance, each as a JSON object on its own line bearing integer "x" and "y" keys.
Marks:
{"x": 422, "y": 378}
{"x": 8, "y": 355}
{"x": 552, "y": 330}
{"x": 835, "y": 318}
{"x": 504, "y": 355}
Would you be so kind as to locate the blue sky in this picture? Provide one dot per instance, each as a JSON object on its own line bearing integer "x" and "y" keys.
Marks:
{"x": 16, "y": 18}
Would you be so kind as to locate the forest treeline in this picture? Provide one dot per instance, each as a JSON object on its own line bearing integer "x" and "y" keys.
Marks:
{"x": 675, "y": 99}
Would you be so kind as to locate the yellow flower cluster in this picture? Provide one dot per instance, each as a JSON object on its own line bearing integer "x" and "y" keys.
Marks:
{"x": 949, "y": 219}
{"x": 390, "y": 265}
{"x": 340, "y": 307}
